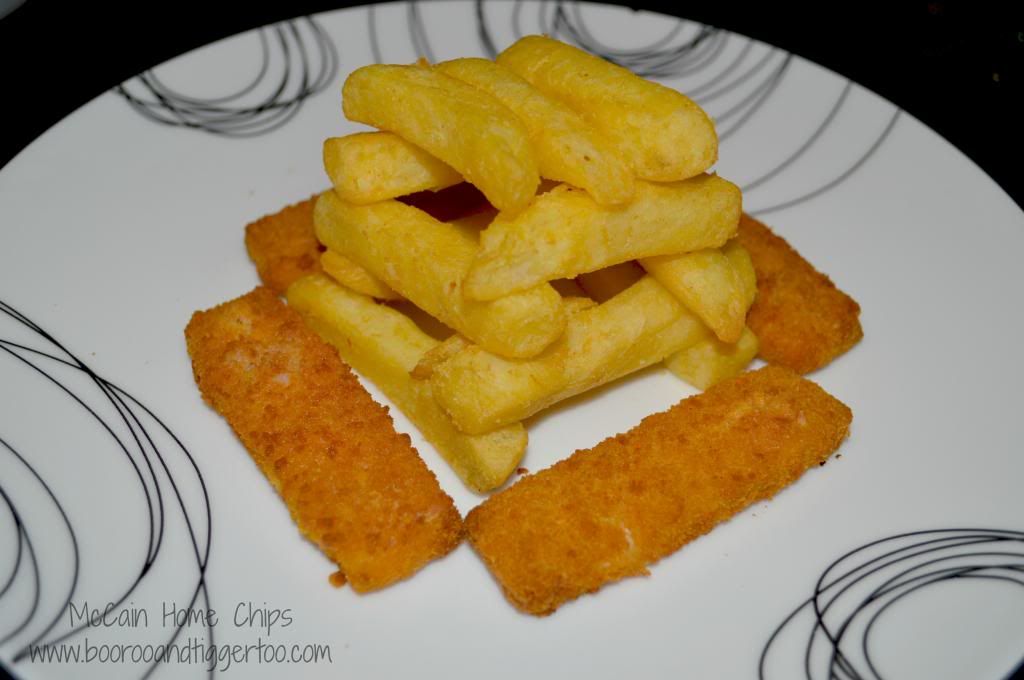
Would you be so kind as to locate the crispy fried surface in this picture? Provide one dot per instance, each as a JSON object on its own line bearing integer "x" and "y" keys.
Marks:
{"x": 353, "y": 485}
{"x": 610, "y": 511}
{"x": 283, "y": 245}
{"x": 799, "y": 316}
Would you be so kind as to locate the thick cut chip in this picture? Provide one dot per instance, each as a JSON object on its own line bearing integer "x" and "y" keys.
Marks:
{"x": 367, "y": 167}
{"x": 354, "y": 486}
{"x": 800, "y": 318}
{"x": 635, "y": 329}
{"x": 743, "y": 267}
{"x": 425, "y": 261}
{"x": 565, "y": 233}
{"x": 702, "y": 363}
{"x": 716, "y": 284}
{"x": 568, "y": 149}
{"x": 467, "y": 129}
{"x": 352, "y": 276}
{"x": 384, "y": 346}
{"x": 664, "y": 135}
{"x": 709, "y": 360}
{"x": 444, "y": 351}
{"x": 456, "y": 343}
{"x": 609, "y": 512}
{"x": 283, "y": 246}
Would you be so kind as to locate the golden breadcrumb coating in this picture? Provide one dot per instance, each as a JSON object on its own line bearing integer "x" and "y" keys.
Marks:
{"x": 799, "y": 316}
{"x": 608, "y": 512}
{"x": 354, "y": 486}
{"x": 283, "y": 245}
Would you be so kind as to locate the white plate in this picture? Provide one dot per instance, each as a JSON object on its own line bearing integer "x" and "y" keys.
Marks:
{"x": 116, "y": 228}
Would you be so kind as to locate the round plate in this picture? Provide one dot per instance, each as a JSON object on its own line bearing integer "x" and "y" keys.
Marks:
{"x": 132, "y": 519}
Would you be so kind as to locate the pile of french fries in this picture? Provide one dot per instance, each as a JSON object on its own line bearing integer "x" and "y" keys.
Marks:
{"x": 609, "y": 248}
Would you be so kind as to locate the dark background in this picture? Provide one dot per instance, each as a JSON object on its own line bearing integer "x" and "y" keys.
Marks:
{"x": 957, "y": 66}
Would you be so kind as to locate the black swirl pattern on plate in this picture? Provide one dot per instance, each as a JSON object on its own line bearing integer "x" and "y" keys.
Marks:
{"x": 860, "y": 588}
{"x": 698, "y": 53}
{"x": 672, "y": 55}
{"x": 297, "y": 60}
{"x": 143, "y": 442}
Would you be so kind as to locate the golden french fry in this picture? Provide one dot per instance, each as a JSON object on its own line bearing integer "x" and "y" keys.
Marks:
{"x": 662, "y": 133}
{"x": 710, "y": 360}
{"x": 743, "y": 266}
{"x": 383, "y": 345}
{"x": 568, "y": 149}
{"x": 438, "y": 355}
{"x": 425, "y": 261}
{"x": 456, "y": 343}
{"x": 714, "y": 283}
{"x": 564, "y": 233}
{"x": 367, "y": 167}
{"x": 604, "y": 284}
{"x": 467, "y": 129}
{"x": 574, "y": 304}
{"x": 352, "y": 276}
{"x": 639, "y": 327}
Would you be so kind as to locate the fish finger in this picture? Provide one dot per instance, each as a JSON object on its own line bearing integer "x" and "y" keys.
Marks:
{"x": 609, "y": 512}
{"x": 354, "y": 486}
{"x": 283, "y": 245}
{"x": 802, "y": 320}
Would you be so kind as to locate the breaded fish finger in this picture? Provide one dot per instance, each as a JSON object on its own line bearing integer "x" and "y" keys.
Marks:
{"x": 608, "y": 512}
{"x": 799, "y": 316}
{"x": 283, "y": 245}
{"x": 354, "y": 486}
